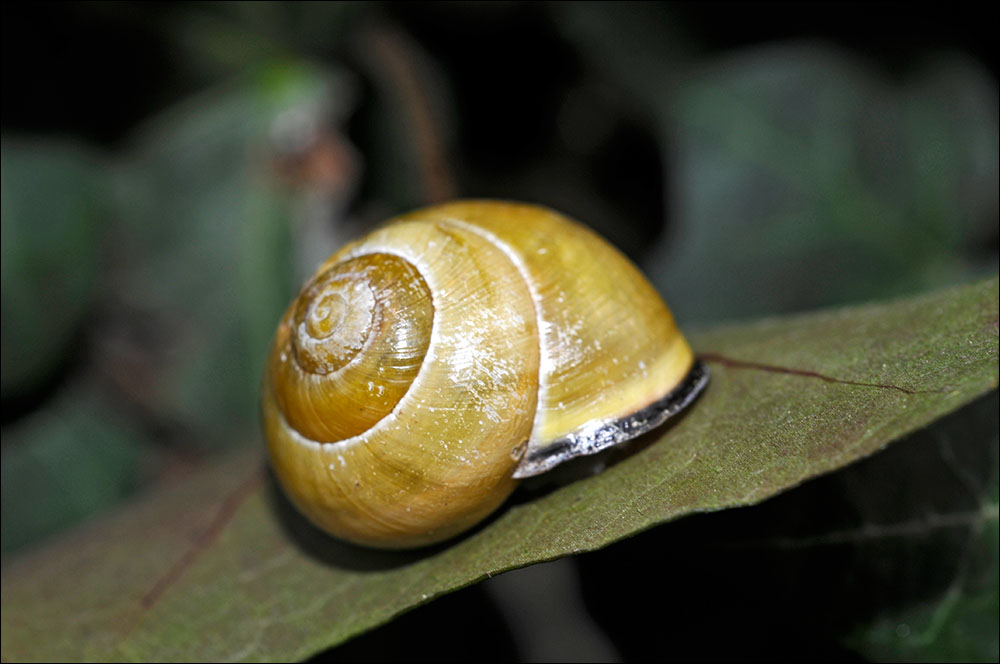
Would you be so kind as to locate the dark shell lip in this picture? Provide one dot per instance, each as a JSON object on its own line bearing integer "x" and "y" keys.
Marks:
{"x": 599, "y": 436}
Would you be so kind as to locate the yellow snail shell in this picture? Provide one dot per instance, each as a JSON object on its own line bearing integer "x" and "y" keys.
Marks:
{"x": 429, "y": 365}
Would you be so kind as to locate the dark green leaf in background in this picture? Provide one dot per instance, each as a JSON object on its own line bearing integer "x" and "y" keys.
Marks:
{"x": 205, "y": 249}
{"x": 64, "y": 463}
{"x": 941, "y": 551}
{"x": 808, "y": 180}
{"x": 218, "y": 568}
{"x": 161, "y": 271}
{"x": 800, "y": 171}
{"x": 55, "y": 199}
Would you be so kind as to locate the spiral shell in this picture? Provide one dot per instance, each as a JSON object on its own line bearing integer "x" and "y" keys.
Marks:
{"x": 427, "y": 366}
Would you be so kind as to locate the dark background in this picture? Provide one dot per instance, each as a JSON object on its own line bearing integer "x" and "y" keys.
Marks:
{"x": 171, "y": 171}
{"x": 98, "y": 69}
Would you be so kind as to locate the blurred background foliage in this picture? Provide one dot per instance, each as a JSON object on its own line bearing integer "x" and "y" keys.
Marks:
{"x": 171, "y": 172}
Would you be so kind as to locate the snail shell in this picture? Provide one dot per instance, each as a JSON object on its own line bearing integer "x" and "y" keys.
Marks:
{"x": 429, "y": 365}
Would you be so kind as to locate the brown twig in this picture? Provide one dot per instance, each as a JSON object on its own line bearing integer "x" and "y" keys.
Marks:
{"x": 393, "y": 56}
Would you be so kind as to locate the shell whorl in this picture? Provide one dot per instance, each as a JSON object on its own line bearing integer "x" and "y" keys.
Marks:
{"x": 351, "y": 346}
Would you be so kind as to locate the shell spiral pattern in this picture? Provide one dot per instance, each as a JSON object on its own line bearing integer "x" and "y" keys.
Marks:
{"x": 427, "y": 366}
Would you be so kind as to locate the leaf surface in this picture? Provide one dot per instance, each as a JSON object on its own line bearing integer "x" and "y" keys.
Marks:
{"x": 218, "y": 567}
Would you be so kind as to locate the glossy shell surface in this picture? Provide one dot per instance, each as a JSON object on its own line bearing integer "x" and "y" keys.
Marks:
{"x": 428, "y": 365}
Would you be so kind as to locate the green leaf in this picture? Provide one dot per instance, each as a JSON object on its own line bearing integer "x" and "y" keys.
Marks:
{"x": 63, "y": 463}
{"x": 810, "y": 180}
{"x": 218, "y": 567}
{"x": 55, "y": 201}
